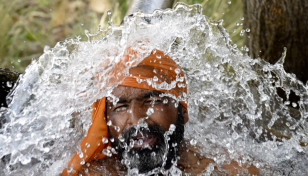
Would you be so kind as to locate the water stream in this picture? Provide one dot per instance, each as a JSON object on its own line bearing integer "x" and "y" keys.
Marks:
{"x": 234, "y": 110}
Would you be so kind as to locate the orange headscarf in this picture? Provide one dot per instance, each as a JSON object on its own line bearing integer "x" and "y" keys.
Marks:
{"x": 158, "y": 68}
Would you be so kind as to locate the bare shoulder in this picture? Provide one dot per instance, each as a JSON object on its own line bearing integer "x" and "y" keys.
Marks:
{"x": 109, "y": 166}
{"x": 192, "y": 162}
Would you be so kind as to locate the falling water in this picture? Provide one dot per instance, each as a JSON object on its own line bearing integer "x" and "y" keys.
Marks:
{"x": 235, "y": 113}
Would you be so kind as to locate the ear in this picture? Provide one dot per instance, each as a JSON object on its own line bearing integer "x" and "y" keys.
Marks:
{"x": 185, "y": 115}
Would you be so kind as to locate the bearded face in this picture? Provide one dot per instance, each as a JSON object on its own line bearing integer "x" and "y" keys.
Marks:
{"x": 146, "y": 128}
{"x": 148, "y": 157}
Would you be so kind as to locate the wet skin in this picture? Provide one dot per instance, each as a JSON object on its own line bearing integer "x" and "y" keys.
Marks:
{"x": 133, "y": 105}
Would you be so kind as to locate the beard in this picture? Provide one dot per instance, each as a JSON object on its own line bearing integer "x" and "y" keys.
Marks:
{"x": 159, "y": 155}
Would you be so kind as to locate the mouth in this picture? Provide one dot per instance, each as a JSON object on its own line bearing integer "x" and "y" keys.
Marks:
{"x": 144, "y": 140}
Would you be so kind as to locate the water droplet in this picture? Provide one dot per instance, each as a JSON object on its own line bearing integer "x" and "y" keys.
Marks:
{"x": 294, "y": 104}
{"x": 9, "y": 84}
{"x": 121, "y": 138}
{"x": 105, "y": 140}
{"x": 87, "y": 145}
{"x": 140, "y": 142}
{"x": 158, "y": 56}
{"x": 69, "y": 169}
{"x": 110, "y": 20}
{"x": 81, "y": 155}
{"x": 127, "y": 163}
{"x": 234, "y": 135}
{"x": 107, "y": 152}
{"x": 82, "y": 162}
{"x": 176, "y": 105}
{"x": 165, "y": 101}
{"x": 193, "y": 142}
{"x": 109, "y": 12}
{"x": 150, "y": 111}
{"x": 229, "y": 2}
{"x": 237, "y": 24}
{"x": 81, "y": 24}
{"x": 46, "y": 49}
{"x": 177, "y": 71}
{"x": 131, "y": 143}
{"x": 113, "y": 151}
{"x": 247, "y": 30}
{"x": 25, "y": 160}
{"x": 242, "y": 18}
{"x": 117, "y": 128}
{"x": 172, "y": 127}
{"x": 155, "y": 78}
{"x": 109, "y": 123}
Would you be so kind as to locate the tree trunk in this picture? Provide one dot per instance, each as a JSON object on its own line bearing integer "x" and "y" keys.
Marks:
{"x": 275, "y": 24}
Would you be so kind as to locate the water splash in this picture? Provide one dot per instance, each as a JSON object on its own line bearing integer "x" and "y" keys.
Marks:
{"x": 234, "y": 109}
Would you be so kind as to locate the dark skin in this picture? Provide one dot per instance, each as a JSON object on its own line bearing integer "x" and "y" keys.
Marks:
{"x": 138, "y": 101}
{"x": 133, "y": 105}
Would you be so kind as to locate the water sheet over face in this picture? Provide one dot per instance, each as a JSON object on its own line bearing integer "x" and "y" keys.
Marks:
{"x": 234, "y": 110}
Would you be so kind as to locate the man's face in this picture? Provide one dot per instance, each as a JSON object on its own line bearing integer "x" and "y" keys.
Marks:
{"x": 140, "y": 119}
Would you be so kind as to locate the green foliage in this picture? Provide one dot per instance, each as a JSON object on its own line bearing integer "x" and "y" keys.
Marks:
{"x": 28, "y": 25}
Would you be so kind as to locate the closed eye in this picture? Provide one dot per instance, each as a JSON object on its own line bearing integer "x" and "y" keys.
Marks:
{"x": 153, "y": 102}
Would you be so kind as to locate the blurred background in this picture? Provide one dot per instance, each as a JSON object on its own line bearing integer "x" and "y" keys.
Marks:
{"x": 27, "y": 26}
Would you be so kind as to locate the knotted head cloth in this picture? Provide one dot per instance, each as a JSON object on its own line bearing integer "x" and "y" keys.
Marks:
{"x": 155, "y": 72}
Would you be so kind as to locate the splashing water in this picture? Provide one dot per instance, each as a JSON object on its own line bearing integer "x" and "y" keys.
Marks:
{"x": 235, "y": 113}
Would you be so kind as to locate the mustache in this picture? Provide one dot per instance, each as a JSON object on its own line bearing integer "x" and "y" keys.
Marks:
{"x": 131, "y": 133}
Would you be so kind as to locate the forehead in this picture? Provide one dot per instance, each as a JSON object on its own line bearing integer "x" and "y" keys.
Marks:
{"x": 129, "y": 92}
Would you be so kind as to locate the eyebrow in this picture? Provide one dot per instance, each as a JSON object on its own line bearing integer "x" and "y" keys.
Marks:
{"x": 145, "y": 95}
{"x": 151, "y": 94}
{"x": 122, "y": 100}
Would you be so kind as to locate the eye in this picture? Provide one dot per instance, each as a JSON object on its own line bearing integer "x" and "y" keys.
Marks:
{"x": 120, "y": 108}
{"x": 154, "y": 101}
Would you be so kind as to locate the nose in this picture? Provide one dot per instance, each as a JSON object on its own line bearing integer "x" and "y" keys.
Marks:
{"x": 136, "y": 113}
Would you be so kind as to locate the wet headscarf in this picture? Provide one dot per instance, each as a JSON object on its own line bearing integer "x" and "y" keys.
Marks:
{"x": 156, "y": 72}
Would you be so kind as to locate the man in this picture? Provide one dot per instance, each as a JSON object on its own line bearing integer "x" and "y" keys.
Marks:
{"x": 141, "y": 126}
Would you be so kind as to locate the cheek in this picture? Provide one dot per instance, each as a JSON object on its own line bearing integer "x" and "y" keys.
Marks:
{"x": 164, "y": 116}
{"x": 118, "y": 124}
